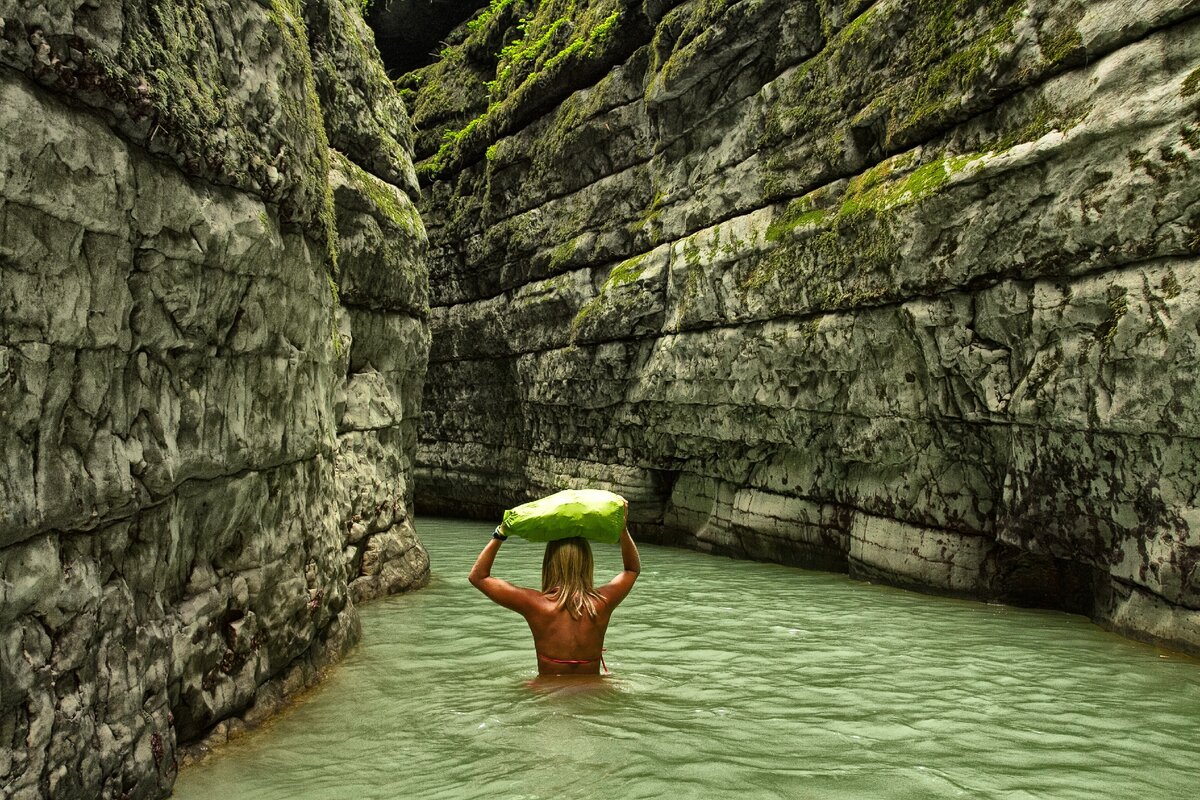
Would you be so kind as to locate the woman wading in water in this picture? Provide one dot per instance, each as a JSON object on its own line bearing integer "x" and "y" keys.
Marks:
{"x": 568, "y": 617}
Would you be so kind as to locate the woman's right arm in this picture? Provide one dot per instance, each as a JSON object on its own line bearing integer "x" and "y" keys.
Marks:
{"x": 630, "y": 559}
{"x": 616, "y": 590}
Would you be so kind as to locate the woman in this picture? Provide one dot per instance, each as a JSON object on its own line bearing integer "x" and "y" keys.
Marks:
{"x": 568, "y": 617}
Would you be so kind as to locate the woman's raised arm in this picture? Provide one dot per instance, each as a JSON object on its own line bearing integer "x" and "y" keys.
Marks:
{"x": 616, "y": 590}
{"x": 499, "y": 591}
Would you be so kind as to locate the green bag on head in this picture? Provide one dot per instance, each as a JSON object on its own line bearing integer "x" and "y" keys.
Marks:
{"x": 591, "y": 513}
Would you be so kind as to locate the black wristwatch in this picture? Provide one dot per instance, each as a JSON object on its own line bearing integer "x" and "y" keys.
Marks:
{"x": 497, "y": 535}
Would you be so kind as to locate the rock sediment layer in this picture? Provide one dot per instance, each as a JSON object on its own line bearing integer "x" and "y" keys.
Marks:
{"x": 907, "y": 289}
{"x": 213, "y": 330}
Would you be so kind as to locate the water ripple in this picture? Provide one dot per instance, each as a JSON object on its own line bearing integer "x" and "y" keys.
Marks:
{"x": 729, "y": 679}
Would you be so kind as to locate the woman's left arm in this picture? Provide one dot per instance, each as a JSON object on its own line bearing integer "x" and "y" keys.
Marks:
{"x": 499, "y": 591}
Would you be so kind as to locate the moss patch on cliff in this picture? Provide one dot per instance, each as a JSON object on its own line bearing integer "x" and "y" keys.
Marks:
{"x": 171, "y": 73}
{"x": 625, "y": 272}
{"x": 619, "y": 299}
{"x": 798, "y": 213}
{"x": 934, "y": 54}
{"x": 543, "y": 51}
{"x": 832, "y": 250}
{"x": 1191, "y": 84}
{"x": 386, "y": 201}
{"x": 363, "y": 114}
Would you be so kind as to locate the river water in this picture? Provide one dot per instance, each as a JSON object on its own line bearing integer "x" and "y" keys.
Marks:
{"x": 729, "y": 679}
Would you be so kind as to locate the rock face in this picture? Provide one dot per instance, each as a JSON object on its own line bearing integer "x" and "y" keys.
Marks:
{"x": 206, "y": 451}
{"x": 907, "y": 289}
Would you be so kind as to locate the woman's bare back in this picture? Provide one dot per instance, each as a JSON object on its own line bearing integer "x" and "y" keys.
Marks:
{"x": 567, "y": 645}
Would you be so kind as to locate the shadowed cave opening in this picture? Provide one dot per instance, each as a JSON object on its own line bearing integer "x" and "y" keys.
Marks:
{"x": 409, "y": 33}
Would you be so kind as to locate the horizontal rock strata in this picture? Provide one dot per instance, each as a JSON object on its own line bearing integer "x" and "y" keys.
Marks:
{"x": 906, "y": 289}
{"x": 206, "y": 451}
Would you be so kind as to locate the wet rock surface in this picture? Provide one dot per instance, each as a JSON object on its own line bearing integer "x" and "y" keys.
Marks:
{"x": 213, "y": 331}
{"x": 910, "y": 290}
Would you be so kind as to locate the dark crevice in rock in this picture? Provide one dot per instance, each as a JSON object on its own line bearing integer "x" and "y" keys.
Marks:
{"x": 410, "y": 33}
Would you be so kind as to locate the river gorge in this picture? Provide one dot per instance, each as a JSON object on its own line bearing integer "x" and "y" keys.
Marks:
{"x": 906, "y": 291}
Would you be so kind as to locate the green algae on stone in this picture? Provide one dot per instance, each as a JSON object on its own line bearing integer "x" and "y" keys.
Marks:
{"x": 335, "y": 304}
{"x": 363, "y": 114}
{"x": 385, "y": 198}
{"x": 1118, "y": 307}
{"x": 169, "y": 72}
{"x": 947, "y": 48}
{"x": 286, "y": 15}
{"x": 625, "y": 272}
{"x": 649, "y": 218}
{"x": 1191, "y": 84}
{"x": 798, "y": 213}
{"x": 555, "y": 36}
{"x": 487, "y": 14}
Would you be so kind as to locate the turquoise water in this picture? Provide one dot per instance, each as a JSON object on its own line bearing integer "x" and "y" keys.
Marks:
{"x": 729, "y": 679}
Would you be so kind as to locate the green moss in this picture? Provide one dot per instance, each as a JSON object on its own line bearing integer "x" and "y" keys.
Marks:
{"x": 761, "y": 275}
{"x": 837, "y": 251}
{"x": 586, "y": 312}
{"x": 694, "y": 277}
{"x": 286, "y": 16}
{"x": 799, "y": 212}
{"x": 562, "y": 255}
{"x": 450, "y": 139}
{"x": 384, "y": 198}
{"x": 927, "y": 179}
{"x": 1169, "y": 286}
{"x": 1190, "y": 134}
{"x": 946, "y": 69}
{"x": 1060, "y": 44}
{"x": 336, "y": 302}
{"x": 1041, "y": 118}
{"x": 626, "y": 272}
{"x": 623, "y": 274}
{"x": 843, "y": 265}
{"x": 943, "y": 46}
{"x": 1118, "y": 307}
{"x": 875, "y": 192}
{"x": 518, "y": 51}
{"x": 488, "y": 14}
{"x": 649, "y": 216}
{"x": 168, "y": 70}
{"x": 555, "y": 36}
{"x": 857, "y": 28}
{"x": 691, "y": 31}
{"x": 1191, "y": 84}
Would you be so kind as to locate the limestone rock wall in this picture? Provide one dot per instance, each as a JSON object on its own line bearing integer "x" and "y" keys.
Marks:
{"x": 909, "y": 289}
{"x": 206, "y": 452}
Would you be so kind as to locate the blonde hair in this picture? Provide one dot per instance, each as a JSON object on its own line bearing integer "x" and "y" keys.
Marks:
{"x": 567, "y": 570}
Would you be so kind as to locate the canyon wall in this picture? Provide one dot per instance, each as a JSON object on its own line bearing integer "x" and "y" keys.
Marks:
{"x": 904, "y": 289}
{"x": 213, "y": 332}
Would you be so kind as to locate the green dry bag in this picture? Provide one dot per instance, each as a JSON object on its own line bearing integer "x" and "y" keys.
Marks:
{"x": 592, "y": 513}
